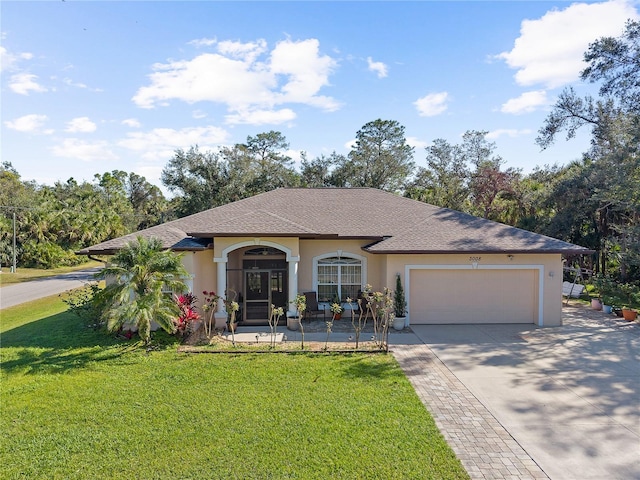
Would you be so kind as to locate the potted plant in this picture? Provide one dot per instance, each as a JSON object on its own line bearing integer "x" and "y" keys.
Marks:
{"x": 399, "y": 305}
{"x": 336, "y": 310}
{"x": 631, "y": 292}
{"x": 607, "y": 304}
{"x": 629, "y": 314}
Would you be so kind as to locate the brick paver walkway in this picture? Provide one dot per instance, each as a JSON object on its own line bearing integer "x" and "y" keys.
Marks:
{"x": 485, "y": 448}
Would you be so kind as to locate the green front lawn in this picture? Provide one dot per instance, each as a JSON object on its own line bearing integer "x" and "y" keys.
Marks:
{"x": 77, "y": 404}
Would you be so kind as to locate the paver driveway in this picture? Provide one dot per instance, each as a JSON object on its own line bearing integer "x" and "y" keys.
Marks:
{"x": 568, "y": 396}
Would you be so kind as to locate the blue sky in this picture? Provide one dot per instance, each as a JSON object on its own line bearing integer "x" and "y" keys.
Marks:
{"x": 89, "y": 87}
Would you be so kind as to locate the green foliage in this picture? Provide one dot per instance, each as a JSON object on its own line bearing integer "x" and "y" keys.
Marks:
{"x": 204, "y": 180}
{"x": 445, "y": 179}
{"x": 86, "y": 303}
{"x": 47, "y": 254}
{"x": 138, "y": 273}
{"x": 52, "y": 222}
{"x": 380, "y": 158}
{"x": 604, "y": 188}
{"x": 399, "y": 302}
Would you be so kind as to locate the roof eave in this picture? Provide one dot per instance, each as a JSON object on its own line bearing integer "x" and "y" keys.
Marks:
{"x": 479, "y": 251}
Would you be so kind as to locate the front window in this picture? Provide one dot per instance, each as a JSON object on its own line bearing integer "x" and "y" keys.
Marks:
{"x": 339, "y": 277}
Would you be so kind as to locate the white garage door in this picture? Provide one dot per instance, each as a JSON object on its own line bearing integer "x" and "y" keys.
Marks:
{"x": 473, "y": 296}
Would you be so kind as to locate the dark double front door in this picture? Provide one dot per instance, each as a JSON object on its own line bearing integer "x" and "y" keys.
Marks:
{"x": 264, "y": 287}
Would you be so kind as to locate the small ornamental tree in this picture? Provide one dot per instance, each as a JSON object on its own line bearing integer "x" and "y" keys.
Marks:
{"x": 209, "y": 307}
{"x": 301, "y": 305}
{"x": 140, "y": 272}
{"x": 232, "y": 307}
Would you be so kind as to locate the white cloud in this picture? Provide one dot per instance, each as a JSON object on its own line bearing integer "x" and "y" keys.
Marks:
{"x": 80, "y": 125}
{"x": 9, "y": 60}
{"x": 160, "y": 143}
{"x": 202, "y": 42}
{"x": 247, "y": 52}
{"x": 432, "y": 104}
{"x": 550, "y": 49}
{"x": 131, "y": 122}
{"x": 294, "y": 72}
{"x": 526, "y": 103}
{"x": 28, "y": 123}
{"x": 23, "y": 83}
{"x": 71, "y": 83}
{"x": 261, "y": 117}
{"x": 85, "y": 151}
{"x": 509, "y": 132}
{"x": 295, "y": 155}
{"x": 416, "y": 143}
{"x": 198, "y": 114}
{"x": 378, "y": 67}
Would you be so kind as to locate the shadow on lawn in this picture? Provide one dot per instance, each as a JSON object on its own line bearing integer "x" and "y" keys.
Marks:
{"x": 364, "y": 367}
{"x": 58, "y": 343}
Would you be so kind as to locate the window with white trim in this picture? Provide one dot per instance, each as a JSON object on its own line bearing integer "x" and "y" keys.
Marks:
{"x": 339, "y": 276}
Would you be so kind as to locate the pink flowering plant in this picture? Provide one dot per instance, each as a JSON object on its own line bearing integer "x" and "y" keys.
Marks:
{"x": 186, "y": 304}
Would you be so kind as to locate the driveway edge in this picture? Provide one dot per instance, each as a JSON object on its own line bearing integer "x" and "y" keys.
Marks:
{"x": 483, "y": 445}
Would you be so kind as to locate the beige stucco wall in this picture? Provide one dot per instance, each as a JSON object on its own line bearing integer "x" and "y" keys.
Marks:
{"x": 202, "y": 269}
{"x": 224, "y": 243}
{"x": 380, "y": 269}
{"x": 550, "y": 265}
{"x": 313, "y": 248}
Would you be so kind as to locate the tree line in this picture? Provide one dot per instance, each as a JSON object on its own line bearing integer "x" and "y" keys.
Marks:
{"x": 593, "y": 201}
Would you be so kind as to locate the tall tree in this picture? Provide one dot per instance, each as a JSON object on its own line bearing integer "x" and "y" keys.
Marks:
{"x": 380, "y": 158}
{"x": 196, "y": 177}
{"x": 319, "y": 171}
{"x": 272, "y": 166}
{"x": 614, "y": 120}
{"x": 204, "y": 180}
{"x": 16, "y": 197}
{"x": 140, "y": 272}
{"x": 489, "y": 185}
{"x": 444, "y": 181}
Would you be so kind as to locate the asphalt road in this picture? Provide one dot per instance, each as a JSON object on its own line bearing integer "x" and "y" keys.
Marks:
{"x": 27, "y": 291}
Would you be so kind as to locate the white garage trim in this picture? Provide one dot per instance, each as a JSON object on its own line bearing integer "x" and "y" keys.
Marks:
{"x": 538, "y": 268}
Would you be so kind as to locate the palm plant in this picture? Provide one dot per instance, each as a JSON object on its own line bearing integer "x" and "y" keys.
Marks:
{"x": 139, "y": 272}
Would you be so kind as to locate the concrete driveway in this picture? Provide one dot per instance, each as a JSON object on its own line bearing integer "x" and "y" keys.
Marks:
{"x": 569, "y": 396}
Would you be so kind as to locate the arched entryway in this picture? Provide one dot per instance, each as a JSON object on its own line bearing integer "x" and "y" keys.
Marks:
{"x": 260, "y": 274}
{"x": 264, "y": 283}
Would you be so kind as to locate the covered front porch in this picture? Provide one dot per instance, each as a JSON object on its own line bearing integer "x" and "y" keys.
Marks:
{"x": 257, "y": 274}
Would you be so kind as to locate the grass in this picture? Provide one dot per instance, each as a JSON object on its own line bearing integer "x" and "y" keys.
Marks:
{"x": 27, "y": 274}
{"x": 78, "y": 404}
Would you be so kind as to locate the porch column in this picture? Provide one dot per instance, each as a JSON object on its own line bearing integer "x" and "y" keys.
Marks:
{"x": 293, "y": 284}
{"x": 221, "y": 287}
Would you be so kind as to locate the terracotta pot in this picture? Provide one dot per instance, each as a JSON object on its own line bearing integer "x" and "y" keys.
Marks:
{"x": 629, "y": 315}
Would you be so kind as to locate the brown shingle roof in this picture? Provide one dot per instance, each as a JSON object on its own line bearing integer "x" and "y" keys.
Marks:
{"x": 394, "y": 223}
